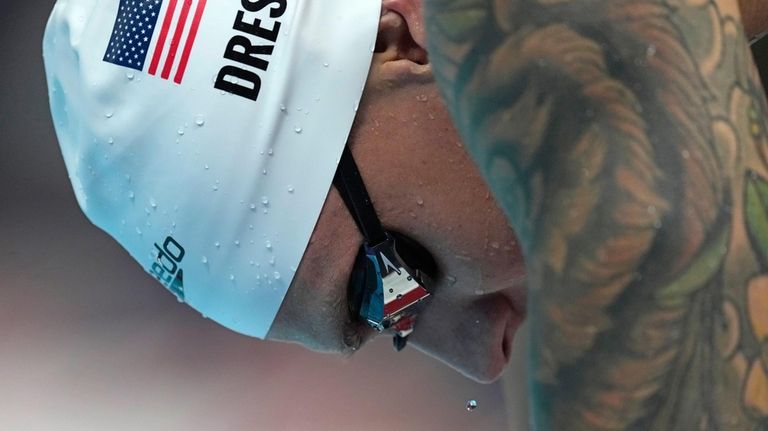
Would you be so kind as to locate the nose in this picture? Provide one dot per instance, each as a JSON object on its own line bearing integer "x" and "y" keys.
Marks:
{"x": 472, "y": 336}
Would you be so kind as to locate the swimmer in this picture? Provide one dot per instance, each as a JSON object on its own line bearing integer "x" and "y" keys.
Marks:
{"x": 622, "y": 141}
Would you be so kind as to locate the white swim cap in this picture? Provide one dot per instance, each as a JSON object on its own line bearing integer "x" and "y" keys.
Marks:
{"x": 204, "y": 137}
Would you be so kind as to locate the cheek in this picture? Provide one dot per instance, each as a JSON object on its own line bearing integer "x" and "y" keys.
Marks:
{"x": 314, "y": 312}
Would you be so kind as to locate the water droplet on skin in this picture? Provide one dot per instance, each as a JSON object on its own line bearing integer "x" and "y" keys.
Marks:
{"x": 420, "y": 201}
{"x": 451, "y": 279}
{"x": 471, "y": 405}
{"x": 422, "y": 98}
{"x": 495, "y": 245}
{"x": 204, "y": 260}
{"x": 651, "y": 209}
{"x": 298, "y": 130}
{"x": 200, "y": 121}
{"x": 651, "y": 51}
{"x": 686, "y": 154}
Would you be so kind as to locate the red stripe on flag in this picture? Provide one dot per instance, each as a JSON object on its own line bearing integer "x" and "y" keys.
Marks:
{"x": 176, "y": 39}
{"x": 190, "y": 42}
{"x": 163, "y": 35}
{"x": 409, "y": 298}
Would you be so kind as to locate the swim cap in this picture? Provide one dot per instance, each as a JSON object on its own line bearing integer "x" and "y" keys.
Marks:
{"x": 204, "y": 136}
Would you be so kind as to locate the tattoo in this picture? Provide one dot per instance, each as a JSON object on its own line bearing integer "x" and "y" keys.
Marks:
{"x": 627, "y": 142}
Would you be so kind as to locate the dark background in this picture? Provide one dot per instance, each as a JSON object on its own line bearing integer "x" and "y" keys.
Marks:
{"x": 88, "y": 341}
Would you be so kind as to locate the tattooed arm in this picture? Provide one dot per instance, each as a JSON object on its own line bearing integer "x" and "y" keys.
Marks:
{"x": 626, "y": 141}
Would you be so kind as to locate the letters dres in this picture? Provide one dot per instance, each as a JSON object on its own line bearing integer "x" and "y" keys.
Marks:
{"x": 249, "y": 49}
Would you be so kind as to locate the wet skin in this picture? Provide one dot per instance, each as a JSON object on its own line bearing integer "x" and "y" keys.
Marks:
{"x": 423, "y": 183}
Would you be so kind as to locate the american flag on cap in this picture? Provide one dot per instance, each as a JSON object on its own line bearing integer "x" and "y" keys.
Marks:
{"x": 137, "y": 43}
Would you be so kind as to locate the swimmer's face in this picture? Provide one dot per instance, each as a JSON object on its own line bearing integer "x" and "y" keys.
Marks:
{"x": 424, "y": 184}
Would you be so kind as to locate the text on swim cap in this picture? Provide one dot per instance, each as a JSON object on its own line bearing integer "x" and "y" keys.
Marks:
{"x": 248, "y": 49}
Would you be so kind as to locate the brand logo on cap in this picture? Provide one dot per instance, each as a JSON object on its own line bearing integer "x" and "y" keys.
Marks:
{"x": 166, "y": 266}
{"x": 133, "y": 43}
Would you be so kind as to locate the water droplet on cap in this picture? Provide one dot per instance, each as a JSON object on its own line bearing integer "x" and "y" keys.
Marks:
{"x": 283, "y": 108}
{"x": 111, "y": 141}
{"x": 277, "y": 275}
{"x": 268, "y": 245}
{"x": 130, "y": 76}
{"x": 325, "y": 64}
{"x": 109, "y": 114}
{"x": 152, "y": 203}
{"x": 231, "y": 277}
{"x": 298, "y": 130}
{"x": 291, "y": 189}
{"x": 204, "y": 260}
{"x": 206, "y": 167}
{"x": 237, "y": 243}
{"x": 131, "y": 195}
{"x": 264, "y": 201}
{"x": 181, "y": 131}
{"x": 217, "y": 244}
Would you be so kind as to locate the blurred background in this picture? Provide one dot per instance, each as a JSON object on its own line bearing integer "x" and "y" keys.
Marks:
{"x": 88, "y": 341}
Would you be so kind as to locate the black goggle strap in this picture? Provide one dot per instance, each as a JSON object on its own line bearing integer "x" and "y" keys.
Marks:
{"x": 352, "y": 189}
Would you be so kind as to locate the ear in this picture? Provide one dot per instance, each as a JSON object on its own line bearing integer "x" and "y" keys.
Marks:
{"x": 401, "y": 32}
